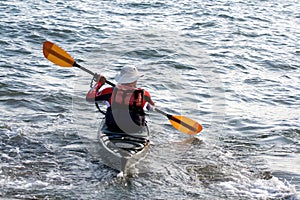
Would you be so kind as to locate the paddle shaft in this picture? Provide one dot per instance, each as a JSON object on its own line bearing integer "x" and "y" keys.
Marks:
{"x": 91, "y": 73}
{"x": 170, "y": 117}
{"x": 162, "y": 112}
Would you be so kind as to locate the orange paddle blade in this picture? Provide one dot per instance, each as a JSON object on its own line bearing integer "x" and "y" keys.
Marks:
{"x": 185, "y": 125}
{"x": 57, "y": 55}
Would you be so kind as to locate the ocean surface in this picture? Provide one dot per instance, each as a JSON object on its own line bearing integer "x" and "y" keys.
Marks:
{"x": 233, "y": 66}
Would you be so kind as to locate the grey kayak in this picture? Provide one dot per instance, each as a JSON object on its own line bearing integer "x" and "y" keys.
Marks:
{"x": 123, "y": 151}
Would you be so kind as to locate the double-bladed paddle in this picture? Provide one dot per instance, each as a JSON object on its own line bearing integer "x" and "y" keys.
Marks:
{"x": 61, "y": 58}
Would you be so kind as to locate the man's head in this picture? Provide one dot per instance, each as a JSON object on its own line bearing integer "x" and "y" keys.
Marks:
{"x": 128, "y": 74}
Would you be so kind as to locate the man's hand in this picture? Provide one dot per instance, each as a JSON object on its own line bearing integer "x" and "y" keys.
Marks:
{"x": 99, "y": 78}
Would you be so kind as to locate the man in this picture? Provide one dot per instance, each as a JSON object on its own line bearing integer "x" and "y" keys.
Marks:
{"x": 125, "y": 102}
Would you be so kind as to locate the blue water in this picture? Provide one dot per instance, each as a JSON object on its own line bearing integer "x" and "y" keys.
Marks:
{"x": 231, "y": 65}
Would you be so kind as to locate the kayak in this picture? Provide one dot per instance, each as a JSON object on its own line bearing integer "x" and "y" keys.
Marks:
{"x": 123, "y": 151}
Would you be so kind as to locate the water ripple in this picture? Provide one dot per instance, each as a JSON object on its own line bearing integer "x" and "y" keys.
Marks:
{"x": 232, "y": 66}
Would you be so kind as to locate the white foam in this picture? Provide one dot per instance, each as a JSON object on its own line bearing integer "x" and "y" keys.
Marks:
{"x": 260, "y": 188}
{"x": 120, "y": 175}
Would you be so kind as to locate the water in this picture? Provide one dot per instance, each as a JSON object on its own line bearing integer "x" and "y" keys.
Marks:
{"x": 231, "y": 65}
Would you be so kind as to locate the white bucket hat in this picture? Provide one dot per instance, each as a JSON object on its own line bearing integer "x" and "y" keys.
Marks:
{"x": 128, "y": 74}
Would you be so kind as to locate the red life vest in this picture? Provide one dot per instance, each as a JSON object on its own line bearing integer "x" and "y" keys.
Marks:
{"x": 127, "y": 98}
